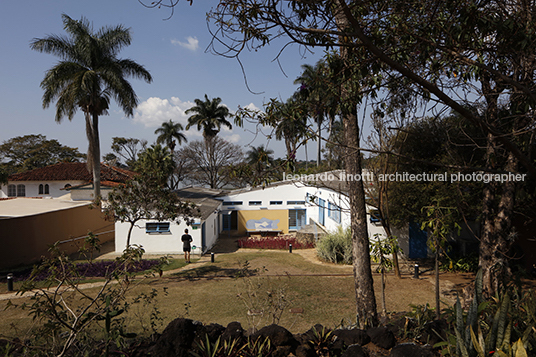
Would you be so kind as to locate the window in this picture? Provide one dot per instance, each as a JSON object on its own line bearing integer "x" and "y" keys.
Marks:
{"x": 334, "y": 212}
{"x": 276, "y": 202}
{"x": 255, "y": 203}
{"x": 44, "y": 189}
{"x": 295, "y": 202}
{"x": 375, "y": 216}
{"x": 232, "y": 203}
{"x": 157, "y": 227}
{"x": 21, "y": 191}
{"x": 11, "y": 191}
{"x": 296, "y": 218}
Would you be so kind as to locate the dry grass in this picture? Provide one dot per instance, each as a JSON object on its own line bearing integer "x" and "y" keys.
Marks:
{"x": 210, "y": 293}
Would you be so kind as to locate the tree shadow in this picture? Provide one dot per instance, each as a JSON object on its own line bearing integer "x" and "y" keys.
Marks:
{"x": 209, "y": 272}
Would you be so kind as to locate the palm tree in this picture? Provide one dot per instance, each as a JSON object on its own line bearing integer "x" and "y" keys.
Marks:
{"x": 88, "y": 76}
{"x": 260, "y": 158}
{"x": 209, "y": 116}
{"x": 313, "y": 89}
{"x": 168, "y": 133}
{"x": 292, "y": 124}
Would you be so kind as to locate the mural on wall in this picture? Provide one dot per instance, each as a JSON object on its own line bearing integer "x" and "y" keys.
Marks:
{"x": 262, "y": 224}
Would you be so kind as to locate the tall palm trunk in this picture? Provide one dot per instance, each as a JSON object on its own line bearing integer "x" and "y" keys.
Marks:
{"x": 93, "y": 153}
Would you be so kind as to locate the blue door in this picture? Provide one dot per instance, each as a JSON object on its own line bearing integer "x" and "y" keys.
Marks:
{"x": 296, "y": 218}
{"x": 226, "y": 220}
{"x": 418, "y": 238}
{"x": 322, "y": 211}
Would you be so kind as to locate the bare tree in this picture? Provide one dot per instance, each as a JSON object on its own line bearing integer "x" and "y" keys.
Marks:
{"x": 207, "y": 162}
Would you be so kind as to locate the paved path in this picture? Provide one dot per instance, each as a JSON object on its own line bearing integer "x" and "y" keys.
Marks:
{"x": 195, "y": 264}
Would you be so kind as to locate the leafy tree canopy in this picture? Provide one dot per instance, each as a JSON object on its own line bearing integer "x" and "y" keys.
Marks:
{"x": 29, "y": 152}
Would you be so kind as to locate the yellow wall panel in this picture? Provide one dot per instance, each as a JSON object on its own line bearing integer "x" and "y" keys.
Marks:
{"x": 246, "y": 215}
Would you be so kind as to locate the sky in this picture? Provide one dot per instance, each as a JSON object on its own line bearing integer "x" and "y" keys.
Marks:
{"x": 174, "y": 52}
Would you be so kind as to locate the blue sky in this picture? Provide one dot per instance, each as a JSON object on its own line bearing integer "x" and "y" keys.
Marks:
{"x": 172, "y": 50}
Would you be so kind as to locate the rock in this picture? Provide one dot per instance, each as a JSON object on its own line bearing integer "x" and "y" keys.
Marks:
{"x": 434, "y": 332}
{"x": 213, "y": 331}
{"x": 354, "y": 351}
{"x": 348, "y": 337}
{"x": 279, "y": 336}
{"x": 382, "y": 337}
{"x": 233, "y": 331}
{"x": 176, "y": 339}
{"x": 315, "y": 331}
{"x": 305, "y": 350}
{"x": 282, "y": 351}
{"x": 411, "y": 350}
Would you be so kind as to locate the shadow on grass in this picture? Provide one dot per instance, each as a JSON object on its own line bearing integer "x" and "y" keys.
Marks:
{"x": 209, "y": 272}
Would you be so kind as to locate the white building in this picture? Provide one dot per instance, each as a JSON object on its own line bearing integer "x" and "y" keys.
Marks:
{"x": 164, "y": 237}
{"x": 287, "y": 206}
{"x": 56, "y": 180}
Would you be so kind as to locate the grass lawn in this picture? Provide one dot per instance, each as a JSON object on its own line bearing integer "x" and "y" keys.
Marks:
{"x": 275, "y": 282}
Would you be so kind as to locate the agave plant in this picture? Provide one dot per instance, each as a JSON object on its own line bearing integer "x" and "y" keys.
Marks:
{"x": 474, "y": 336}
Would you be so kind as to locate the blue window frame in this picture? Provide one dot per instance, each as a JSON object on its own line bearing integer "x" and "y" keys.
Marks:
{"x": 157, "y": 227}
{"x": 232, "y": 203}
{"x": 255, "y": 203}
{"x": 375, "y": 216}
{"x": 334, "y": 212}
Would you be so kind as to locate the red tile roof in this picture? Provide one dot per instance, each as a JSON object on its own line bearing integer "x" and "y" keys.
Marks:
{"x": 67, "y": 171}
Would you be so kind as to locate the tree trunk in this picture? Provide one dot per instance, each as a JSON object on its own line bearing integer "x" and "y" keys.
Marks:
{"x": 93, "y": 153}
{"x": 437, "y": 287}
{"x": 364, "y": 286}
{"x": 129, "y": 233}
{"x": 367, "y": 315}
{"x": 319, "y": 149}
{"x": 495, "y": 240}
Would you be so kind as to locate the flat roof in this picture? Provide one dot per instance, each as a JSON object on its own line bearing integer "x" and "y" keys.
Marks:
{"x": 20, "y": 207}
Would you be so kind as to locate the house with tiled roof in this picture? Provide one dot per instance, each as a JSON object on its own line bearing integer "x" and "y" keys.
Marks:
{"x": 60, "y": 179}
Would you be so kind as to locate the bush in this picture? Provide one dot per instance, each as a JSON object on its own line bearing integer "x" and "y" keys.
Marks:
{"x": 336, "y": 247}
{"x": 280, "y": 242}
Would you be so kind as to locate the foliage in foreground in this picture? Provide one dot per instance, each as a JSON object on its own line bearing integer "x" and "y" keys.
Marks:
{"x": 503, "y": 325}
{"x": 336, "y": 247}
{"x": 71, "y": 320}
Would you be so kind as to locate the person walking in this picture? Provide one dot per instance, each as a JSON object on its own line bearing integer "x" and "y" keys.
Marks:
{"x": 186, "y": 247}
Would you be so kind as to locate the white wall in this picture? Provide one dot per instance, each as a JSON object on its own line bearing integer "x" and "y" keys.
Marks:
{"x": 169, "y": 242}
{"x": 32, "y": 188}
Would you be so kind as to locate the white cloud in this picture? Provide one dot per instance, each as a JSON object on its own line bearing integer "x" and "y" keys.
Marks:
{"x": 154, "y": 111}
{"x": 235, "y": 138}
{"x": 253, "y": 107}
{"x": 192, "y": 43}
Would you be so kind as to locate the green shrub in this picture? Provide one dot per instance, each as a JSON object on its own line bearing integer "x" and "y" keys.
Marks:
{"x": 336, "y": 247}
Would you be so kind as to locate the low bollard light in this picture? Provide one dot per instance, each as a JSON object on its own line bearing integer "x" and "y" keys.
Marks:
{"x": 212, "y": 257}
{"x": 290, "y": 248}
{"x": 9, "y": 282}
{"x": 416, "y": 273}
